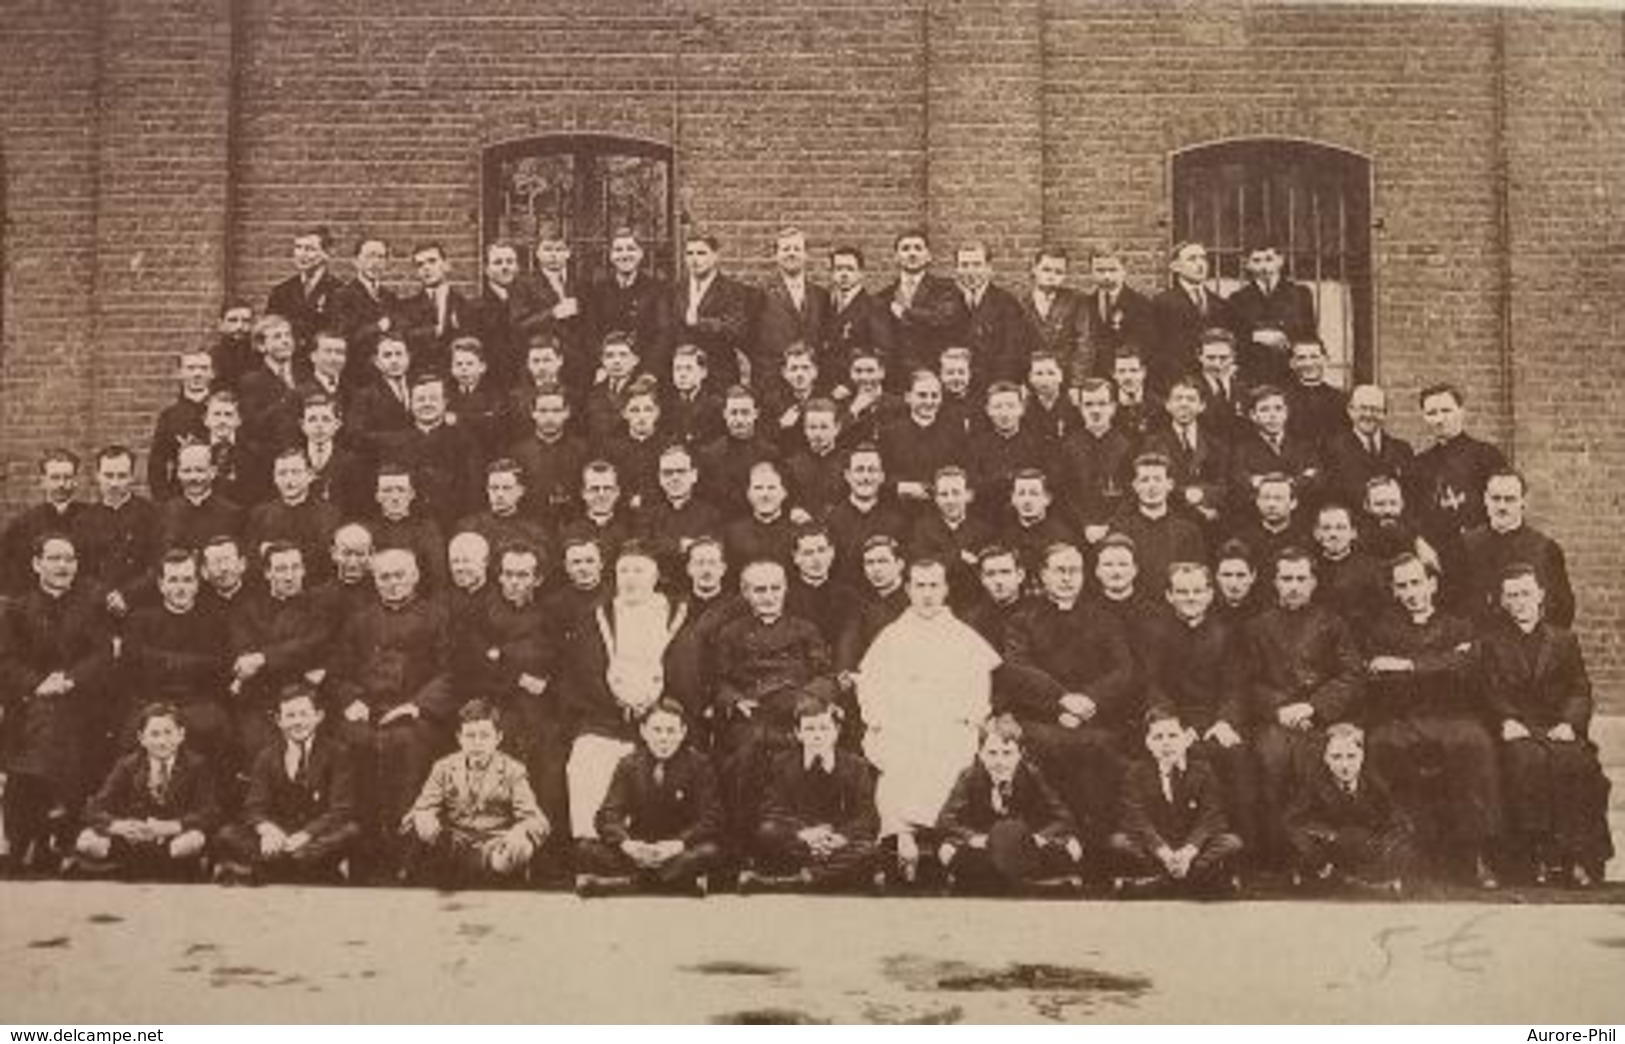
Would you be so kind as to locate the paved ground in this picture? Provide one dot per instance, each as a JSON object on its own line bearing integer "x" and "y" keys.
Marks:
{"x": 81, "y": 953}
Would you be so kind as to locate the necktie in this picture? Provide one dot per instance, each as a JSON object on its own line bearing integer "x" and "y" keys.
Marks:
{"x": 660, "y": 774}
{"x": 1106, "y": 309}
{"x": 302, "y": 767}
{"x": 1185, "y": 440}
{"x": 160, "y": 782}
{"x": 1002, "y": 792}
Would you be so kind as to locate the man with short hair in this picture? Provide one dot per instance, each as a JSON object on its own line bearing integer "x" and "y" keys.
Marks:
{"x": 1364, "y": 449}
{"x": 1270, "y": 313}
{"x": 712, "y": 310}
{"x": 1449, "y": 476}
{"x": 1071, "y": 671}
{"x": 1306, "y": 674}
{"x": 59, "y": 511}
{"x": 1427, "y": 708}
{"x": 364, "y": 309}
{"x": 1180, "y": 314}
{"x": 56, "y": 658}
{"x": 993, "y": 328}
{"x": 1506, "y": 539}
{"x": 306, "y": 299}
{"x": 390, "y": 685}
{"x": 436, "y": 313}
{"x": 119, "y": 532}
{"x": 1114, "y": 314}
{"x": 196, "y": 513}
{"x": 1053, "y": 312}
{"x": 794, "y": 309}
{"x": 857, "y": 318}
{"x": 634, "y": 300}
{"x": 927, "y": 311}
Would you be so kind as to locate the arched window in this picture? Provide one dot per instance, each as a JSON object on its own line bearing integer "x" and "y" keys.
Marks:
{"x": 1315, "y": 200}
{"x": 587, "y": 185}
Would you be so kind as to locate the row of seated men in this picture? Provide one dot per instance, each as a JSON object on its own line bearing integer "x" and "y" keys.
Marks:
{"x": 1459, "y": 710}
{"x": 1178, "y": 490}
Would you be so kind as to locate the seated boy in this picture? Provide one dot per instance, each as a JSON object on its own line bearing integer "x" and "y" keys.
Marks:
{"x": 1173, "y": 834}
{"x": 818, "y": 823}
{"x": 1343, "y": 823}
{"x": 660, "y": 821}
{"x": 476, "y": 818}
{"x": 153, "y": 814}
{"x": 1002, "y": 826}
{"x": 299, "y": 819}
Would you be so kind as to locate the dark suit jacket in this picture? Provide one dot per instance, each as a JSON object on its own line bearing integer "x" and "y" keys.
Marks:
{"x": 863, "y": 323}
{"x": 1303, "y": 656}
{"x": 1539, "y": 679}
{"x": 683, "y": 806}
{"x": 190, "y": 798}
{"x": 503, "y": 326}
{"x": 780, "y": 324}
{"x": 1321, "y": 806}
{"x": 357, "y": 314}
{"x": 996, "y": 333}
{"x": 1290, "y": 308}
{"x": 270, "y": 409}
{"x": 1130, "y": 321}
{"x": 935, "y": 319}
{"x": 306, "y": 313}
{"x": 1178, "y": 326}
{"x": 969, "y": 809}
{"x": 1194, "y": 817}
{"x": 844, "y": 800}
{"x": 1053, "y": 651}
{"x": 39, "y": 634}
{"x": 722, "y": 327}
{"x": 643, "y": 310}
{"x": 1349, "y": 466}
{"x": 1060, "y": 332}
{"x": 431, "y": 347}
{"x": 322, "y": 801}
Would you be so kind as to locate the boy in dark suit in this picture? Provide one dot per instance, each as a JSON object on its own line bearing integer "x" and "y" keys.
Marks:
{"x": 1173, "y": 834}
{"x": 819, "y": 823}
{"x": 1343, "y": 824}
{"x": 660, "y": 823}
{"x": 1002, "y": 825}
{"x": 299, "y": 819}
{"x": 153, "y": 814}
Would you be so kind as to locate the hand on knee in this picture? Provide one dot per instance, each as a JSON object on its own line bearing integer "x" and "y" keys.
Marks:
{"x": 187, "y": 845}
{"x": 94, "y": 845}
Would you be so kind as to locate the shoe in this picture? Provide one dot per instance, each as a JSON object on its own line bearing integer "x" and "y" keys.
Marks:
{"x": 1586, "y": 876}
{"x": 749, "y": 882}
{"x": 1484, "y": 876}
{"x": 590, "y": 886}
{"x": 230, "y": 873}
{"x": 1136, "y": 887}
{"x": 701, "y": 886}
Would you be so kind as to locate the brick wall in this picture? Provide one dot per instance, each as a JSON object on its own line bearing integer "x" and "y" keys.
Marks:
{"x": 48, "y": 84}
{"x": 130, "y": 209}
{"x": 1566, "y": 211}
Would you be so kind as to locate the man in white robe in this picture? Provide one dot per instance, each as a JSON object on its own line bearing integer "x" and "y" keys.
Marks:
{"x": 924, "y": 686}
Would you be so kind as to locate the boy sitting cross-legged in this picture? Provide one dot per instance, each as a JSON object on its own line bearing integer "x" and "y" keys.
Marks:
{"x": 659, "y": 825}
{"x": 1002, "y": 826}
{"x": 152, "y": 816}
{"x": 819, "y": 822}
{"x": 476, "y": 818}
{"x": 299, "y": 818}
{"x": 1173, "y": 834}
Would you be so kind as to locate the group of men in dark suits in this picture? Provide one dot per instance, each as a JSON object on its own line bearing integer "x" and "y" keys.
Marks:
{"x": 411, "y": 498}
